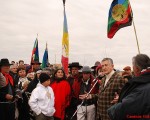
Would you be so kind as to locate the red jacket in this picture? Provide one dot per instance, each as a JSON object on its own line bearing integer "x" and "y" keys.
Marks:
{"x": 62, "y": 93}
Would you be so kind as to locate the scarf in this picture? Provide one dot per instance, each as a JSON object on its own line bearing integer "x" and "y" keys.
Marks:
{"x": 9, "y": 79}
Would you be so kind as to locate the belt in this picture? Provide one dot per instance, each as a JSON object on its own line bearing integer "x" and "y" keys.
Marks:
{"x": 87, "y": 104}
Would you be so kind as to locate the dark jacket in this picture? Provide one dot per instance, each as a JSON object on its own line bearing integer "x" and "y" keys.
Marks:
{"x": 15, "y": 78}
{"x": 134, "y": 101}
{"x": 75, "y": 82}
{"x": 5, "y": 90}
{"x": 7, "y": 107}
{"x": 86, "y": 88}
{"x": 32, "y": 85}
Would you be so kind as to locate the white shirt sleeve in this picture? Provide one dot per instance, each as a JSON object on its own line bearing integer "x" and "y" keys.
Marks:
{"x": 33, "y": 102}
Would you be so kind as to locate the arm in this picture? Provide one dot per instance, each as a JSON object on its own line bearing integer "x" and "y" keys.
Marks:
{"x": 2, "y": 80}
{"x": 127, "y": 107}
{"x": 33, "y": 102}
{"x": 120, "y": 83}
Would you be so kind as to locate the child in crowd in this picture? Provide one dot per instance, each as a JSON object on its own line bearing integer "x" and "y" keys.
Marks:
{"x": 22, "y": 104}
{"x": 42, "y": 99}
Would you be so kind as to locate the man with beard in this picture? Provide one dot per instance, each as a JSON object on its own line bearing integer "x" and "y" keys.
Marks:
{"x": 74, "y": 80}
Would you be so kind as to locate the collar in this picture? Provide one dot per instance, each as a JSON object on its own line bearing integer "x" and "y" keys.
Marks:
{"x": 110, "y": 74}
{"x": 23, "y": 79}
{"x": 42, "y": 86}
{"x": 145, "y": 71}
{"x": 86, "y": 81}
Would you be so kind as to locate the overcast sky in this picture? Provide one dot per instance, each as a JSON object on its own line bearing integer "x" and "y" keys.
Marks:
{"x": 21, "y": 20}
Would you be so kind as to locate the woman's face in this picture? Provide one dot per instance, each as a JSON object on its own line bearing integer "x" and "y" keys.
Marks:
{"x": 59, "y": 74}
{"x": 22, "y": 73}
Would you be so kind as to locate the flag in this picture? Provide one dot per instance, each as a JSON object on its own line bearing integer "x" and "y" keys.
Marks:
{"x": 120, "y": 15}
{"x": 45, "y": 58}
{"x": 35, "y": 52}
{"x": 65, "y": 45}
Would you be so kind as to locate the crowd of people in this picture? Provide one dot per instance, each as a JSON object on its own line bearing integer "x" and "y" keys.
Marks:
{"x": 100, "y": 92}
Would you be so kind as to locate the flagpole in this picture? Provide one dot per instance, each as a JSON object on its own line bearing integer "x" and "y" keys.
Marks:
{"x": 64, "y": 6}
{"x": 137, "y": 42}
{"x": 37, "y": 35}
{"x": 136, "y": 37}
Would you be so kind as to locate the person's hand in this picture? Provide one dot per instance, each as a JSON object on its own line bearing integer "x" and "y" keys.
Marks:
{"x": 25, "y": 85}
{"x": 9, "y": 97}
{"x": 82, "y": 97}
{"x": 115, "y": 100}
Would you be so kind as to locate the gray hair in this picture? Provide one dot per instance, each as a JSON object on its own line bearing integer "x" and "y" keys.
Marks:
{"x": 142, "y": 61}
{"x": 14, "y": 65}
{"x": 109, "y": 59}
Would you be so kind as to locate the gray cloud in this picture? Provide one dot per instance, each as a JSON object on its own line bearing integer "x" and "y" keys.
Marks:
{"x": 21, "y": 20}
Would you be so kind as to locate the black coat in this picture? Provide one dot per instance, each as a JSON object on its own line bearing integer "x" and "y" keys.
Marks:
{"x": 15, "y": 78}
{"x": 32, "y": 85}
{"x": 134, "y": 100}
{"x": 7, "y": 110}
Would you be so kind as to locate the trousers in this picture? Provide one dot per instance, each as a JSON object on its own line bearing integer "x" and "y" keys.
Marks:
{"x": 86, "y": 112}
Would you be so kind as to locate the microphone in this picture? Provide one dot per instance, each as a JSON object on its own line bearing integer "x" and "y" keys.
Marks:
{"x": 100, "y": 76}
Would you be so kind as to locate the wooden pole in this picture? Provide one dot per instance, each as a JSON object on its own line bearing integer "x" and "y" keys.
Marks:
{"x": 135, "y": 33}
{"x": 136, "y": 38}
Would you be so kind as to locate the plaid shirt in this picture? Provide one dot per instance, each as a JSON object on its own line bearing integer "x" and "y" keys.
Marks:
{"x": 107, "y": 94}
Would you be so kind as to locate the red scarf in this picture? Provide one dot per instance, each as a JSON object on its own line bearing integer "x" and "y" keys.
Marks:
{"x": 8, "y": 79}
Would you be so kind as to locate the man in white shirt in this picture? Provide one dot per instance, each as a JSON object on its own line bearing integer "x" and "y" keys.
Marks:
{"x": 42, "y": 99}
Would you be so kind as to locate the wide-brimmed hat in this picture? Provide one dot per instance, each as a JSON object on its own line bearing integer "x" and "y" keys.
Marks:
{"x": 96, "y": 64}
{"x": 4, "y": 62}
{"x": 86, "y": 69}
{"x": 75, "y": 64}
{"x": 35, "y": 62}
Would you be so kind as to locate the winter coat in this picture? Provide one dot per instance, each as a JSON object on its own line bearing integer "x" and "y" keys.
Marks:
{"x": 15, "y": 77}
{"x": 5, "y": 90}
{"x": 7, "y": 107}
{"x": 134, "y": 100}
{"x": 62, "y": 92}
{"x": 87, "y": 87}
{"x": 32, "y": 85}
